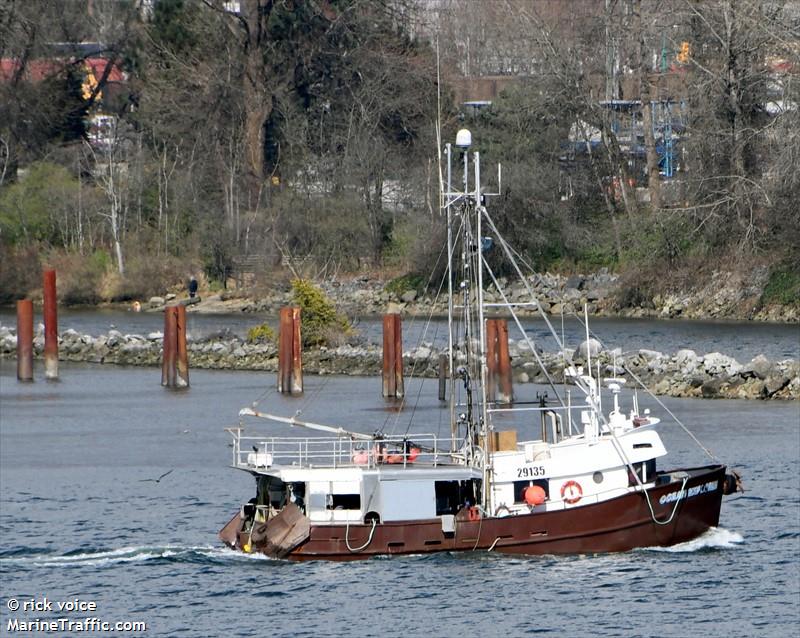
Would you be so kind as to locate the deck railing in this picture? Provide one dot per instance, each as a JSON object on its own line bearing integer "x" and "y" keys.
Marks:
{"x": 252, "y": 451}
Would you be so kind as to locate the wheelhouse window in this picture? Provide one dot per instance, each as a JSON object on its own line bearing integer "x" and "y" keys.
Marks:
{"x": 451, "y": 496}
{"x": 521, "y": 486}
{"x": 646, "y": 471}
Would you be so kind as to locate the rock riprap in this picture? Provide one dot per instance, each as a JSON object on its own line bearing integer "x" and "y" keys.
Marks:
{"x": 682, "y": 374}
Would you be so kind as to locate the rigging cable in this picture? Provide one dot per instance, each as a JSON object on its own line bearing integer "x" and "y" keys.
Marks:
{"x": 568, "y": 358}
{"x": 424, "y": 333}
{"x": 641, "y": 383}
{"x": 592, "y": 399}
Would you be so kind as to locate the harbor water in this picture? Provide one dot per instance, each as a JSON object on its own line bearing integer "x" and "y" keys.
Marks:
{"x": 112, "y": 490}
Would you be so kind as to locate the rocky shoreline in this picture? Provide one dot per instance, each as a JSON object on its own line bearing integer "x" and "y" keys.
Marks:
{"x": 682, "y": 374}
{"x": 726, "y": 296}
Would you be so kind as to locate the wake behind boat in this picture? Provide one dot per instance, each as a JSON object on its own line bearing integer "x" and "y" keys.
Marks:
{"x": 589, "y": 483}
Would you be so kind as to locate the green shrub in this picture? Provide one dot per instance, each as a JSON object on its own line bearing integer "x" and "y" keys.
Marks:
{"x": 411, "y": 281}
{"x": 596, "y": 257}
{"x": 783, "y": 287}
{"x": 322, "y": 325}
{"x": 261, "y": 334}
{"x": 34, "y": 208}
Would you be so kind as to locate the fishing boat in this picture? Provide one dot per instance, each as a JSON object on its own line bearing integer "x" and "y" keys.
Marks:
{"x": 589, "y": 482}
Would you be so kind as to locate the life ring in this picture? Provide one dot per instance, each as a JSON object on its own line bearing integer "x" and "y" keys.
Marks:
{"x": 474, "y": 513}
{"x": 575, "y": 492}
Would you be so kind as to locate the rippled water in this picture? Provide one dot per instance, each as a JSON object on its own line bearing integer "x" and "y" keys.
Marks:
{"x": 79, "y": 519}
{"x": 740, "y": 340}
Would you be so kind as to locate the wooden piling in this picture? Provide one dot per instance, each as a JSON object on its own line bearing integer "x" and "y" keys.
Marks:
{"x": 290, "y": 352}
{"x": 284, "y": 350}
{"x": 183, "y": 354}
{"x": 393, "y": 385}
{"x": 388, "y": 378}
{"x": 491, "y": 359}
{"x": 50, "y": 325}
{"x": 443, "y": 377}
{"x": 168, "y": 360}
{"x": 297, "y": 353}
{"x": 506, "y": 393}
{"x": 25, "y": 340}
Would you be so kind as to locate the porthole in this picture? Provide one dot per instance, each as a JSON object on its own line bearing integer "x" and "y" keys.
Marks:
{"x": 598, "y": 477}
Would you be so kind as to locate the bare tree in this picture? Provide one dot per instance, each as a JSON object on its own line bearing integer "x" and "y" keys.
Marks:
{"x": 111, "y": 175}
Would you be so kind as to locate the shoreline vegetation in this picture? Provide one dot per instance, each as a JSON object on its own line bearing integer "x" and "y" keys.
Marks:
{"x": 725, "y": 295}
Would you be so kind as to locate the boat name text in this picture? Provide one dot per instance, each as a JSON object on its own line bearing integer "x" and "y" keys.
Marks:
{"x": 692, "y": 491}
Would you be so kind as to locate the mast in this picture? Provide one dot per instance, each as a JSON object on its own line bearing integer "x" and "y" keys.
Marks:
{"x": 484, "y": 413}
{"x": 470, "y": 240}
{"x": 464, "y": 198}
{"x": 451, "y": 359}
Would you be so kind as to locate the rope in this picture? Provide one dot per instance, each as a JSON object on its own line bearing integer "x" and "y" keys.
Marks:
{"x": 480, "y": 527}
{"x": 674, "y": 509}
{"x": 369, "y": 539}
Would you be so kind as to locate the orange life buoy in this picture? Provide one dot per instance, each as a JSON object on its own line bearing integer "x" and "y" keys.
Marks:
{"x": 571, "y": 492}
{"x": 474, "y": 513}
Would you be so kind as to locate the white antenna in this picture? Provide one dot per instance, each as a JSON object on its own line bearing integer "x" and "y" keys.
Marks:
{"x": 588, "y": 348}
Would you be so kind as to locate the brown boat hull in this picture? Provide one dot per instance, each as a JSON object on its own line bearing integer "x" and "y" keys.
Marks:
{"x": 616, "y": 525}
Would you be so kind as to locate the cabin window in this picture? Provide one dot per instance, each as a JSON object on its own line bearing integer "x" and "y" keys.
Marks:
{"x": 344, "y": 501}
{"x": 646, "y": 471}
{"x": 271, "y": 491}
{"x": 520, "y": 486}
{"x": 451, "y": 496}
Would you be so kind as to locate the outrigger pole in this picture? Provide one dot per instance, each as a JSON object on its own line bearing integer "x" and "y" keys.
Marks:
{"x": 340, "y": 432}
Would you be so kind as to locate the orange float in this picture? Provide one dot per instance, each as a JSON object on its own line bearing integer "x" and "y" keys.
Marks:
{"x": 534, "y": 495}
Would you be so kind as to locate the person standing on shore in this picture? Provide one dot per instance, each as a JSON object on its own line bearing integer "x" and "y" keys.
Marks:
{"x": 192, "y": 287}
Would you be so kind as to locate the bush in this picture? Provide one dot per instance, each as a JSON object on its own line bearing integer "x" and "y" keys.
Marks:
{"x": 34, "y": 208}
{"x": 783, "y": 287}
{"x": 411, "y": 281}
{"x": 147, "y": 275}
{"x": 80, "y": 277}
{"x": 261, "y": 334}
{"x": 322, "y": 325}
{"x": 20, "y": 272}
{"x": 637, "y": 288}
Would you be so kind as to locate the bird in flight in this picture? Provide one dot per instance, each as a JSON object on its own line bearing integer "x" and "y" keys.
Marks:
{"x": 158, "y": 480}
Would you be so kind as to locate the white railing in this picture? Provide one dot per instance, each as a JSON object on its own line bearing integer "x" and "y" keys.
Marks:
{"x": 263, "y": 452}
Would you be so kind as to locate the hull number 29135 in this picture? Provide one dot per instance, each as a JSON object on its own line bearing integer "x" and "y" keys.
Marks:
{"x": 530, "y": 471}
